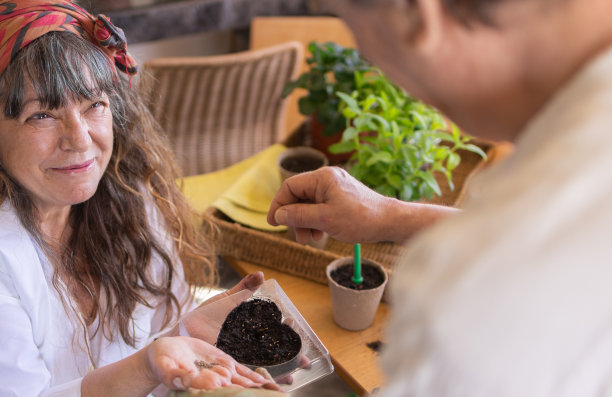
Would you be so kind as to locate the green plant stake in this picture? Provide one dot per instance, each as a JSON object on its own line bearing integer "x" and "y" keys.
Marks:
{"x": 357, "y": 278}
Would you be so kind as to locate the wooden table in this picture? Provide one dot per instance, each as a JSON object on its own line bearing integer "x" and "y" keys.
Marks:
{"x": 353, "y": 360}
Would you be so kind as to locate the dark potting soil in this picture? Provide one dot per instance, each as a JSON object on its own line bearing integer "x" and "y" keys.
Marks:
{"x": 253, "y": 334}
{"x": 376, "y": 345}
{"x": 301, "y": 163}
{"x": 372, "y": 277}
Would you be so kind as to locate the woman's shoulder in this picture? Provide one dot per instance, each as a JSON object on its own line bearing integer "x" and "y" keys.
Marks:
{"x": 11, "y": 229}
{"x": 16, "y": 247}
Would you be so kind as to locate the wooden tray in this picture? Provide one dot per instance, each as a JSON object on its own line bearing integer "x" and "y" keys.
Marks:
{"x": 276, "y": 250}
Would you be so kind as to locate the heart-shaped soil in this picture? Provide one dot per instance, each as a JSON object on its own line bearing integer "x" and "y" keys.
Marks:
{"x": 253, "y": 334}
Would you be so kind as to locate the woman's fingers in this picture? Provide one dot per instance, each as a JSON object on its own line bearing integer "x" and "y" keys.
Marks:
{"x": 250, "y": 282}
{"x": 244, "y": 381}
{"x": 304, "y": 362}
{"x": 246, "y": 371}
{"x": 266, "y": 381}
{"x": 208, "y": 380}
{"x": 183, "y": 362}
{"x": 222, "y": 371}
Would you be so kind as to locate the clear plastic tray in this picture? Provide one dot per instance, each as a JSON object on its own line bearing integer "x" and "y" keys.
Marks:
{"x": 312, "y": 351}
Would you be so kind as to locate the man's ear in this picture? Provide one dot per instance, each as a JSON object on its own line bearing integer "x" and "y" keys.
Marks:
{"x": 423, "y": 24}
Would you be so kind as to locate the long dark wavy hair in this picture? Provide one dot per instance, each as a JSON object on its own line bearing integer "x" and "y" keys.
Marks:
{"x": 112, "y": 243}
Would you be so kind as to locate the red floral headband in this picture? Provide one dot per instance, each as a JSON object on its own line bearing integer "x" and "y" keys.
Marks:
{"x": 23, "y": 21}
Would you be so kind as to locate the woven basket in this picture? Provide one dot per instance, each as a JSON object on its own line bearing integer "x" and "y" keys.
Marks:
{"x": 275, "y": 250}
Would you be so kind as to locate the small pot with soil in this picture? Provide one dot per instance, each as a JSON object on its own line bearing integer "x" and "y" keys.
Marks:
{"x": 354, "y": 305}
{"x": 294, "y": 161}
{"x": 254, "y": 334}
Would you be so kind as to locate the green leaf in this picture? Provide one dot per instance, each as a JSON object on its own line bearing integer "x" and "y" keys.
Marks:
{"x": 349, "y": 113}
{"x": 384, "y": 157}
{"x": 440, "y": 153}
{"x": 349, "y": 134}
{"x": 395, "y": 180}
{"x": 369, "y": 102}
{"x": 384, "y": 124}
{"x": 474, "y": 149}
{"x": 351, "y": 103}
{"x": 449, "y": 179}
{"x": 334, "y": 127}
{"x": 455, "y": 132}
{"x": 431, "y": 182}
{"x": 341, "y": 147}
{"x": 452, "y": 161}
{"x": 443, "y": 136}
{"x": 406, "y": 192}
{"x": 306, "y": 106}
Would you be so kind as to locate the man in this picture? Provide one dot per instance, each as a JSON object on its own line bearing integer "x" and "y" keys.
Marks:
{"x": 511, "y": 296}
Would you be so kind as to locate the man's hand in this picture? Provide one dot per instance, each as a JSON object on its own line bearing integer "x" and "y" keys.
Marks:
{"x": 330, "y": 200}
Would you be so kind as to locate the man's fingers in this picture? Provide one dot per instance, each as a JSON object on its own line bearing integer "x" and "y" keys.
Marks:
{"x": 306, "y": 216}
{"x": 299, "y": 188}
{"x": 283, "y": 197}
{"x": 317, "y": 235}
{"x": 302, "y": 235}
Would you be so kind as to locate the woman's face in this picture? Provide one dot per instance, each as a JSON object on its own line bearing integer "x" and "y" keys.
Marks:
{"x": 58, "y": 155}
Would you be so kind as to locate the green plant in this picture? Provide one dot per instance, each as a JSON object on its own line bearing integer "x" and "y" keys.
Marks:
{"x": 398, "y": 142}
{"x": 332, "y": 69}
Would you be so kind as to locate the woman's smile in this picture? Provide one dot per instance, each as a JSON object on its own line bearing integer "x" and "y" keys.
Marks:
{"x": 75, "y": 168}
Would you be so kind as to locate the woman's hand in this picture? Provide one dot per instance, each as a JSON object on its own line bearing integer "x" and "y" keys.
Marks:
{"x": 205, "y": 321}
{"x": 183, "y": 362}
{"x": 176, "y": 362}
{"x": 250, "y": 282}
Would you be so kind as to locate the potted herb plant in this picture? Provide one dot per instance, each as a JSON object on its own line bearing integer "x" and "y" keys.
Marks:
{"x": 331, "y": 70}
{"x": 397, "y": 143}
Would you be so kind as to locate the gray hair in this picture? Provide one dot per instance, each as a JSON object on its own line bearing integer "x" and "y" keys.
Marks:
{"x": 60, "y": 67}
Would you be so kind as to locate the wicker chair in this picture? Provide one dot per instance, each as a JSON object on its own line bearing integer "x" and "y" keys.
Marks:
{"x": 218, "y": 110}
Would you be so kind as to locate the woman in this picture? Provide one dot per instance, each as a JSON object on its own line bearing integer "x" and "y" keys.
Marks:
{"x": 94, "y": 233}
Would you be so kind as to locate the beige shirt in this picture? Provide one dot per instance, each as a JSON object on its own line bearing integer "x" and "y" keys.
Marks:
{"x": 513, "y": 297}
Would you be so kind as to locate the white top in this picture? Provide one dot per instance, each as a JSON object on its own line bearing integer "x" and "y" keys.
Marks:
{"x": 513, "y": 297}
{"x": 42, "y": 349}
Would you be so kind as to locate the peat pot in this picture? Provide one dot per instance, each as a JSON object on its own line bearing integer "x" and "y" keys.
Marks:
{"x": 300, "y": 159}
{"x": 355, "y": 309}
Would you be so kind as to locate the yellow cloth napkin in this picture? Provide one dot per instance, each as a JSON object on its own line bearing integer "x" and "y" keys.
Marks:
{"x": 242, "y": 191}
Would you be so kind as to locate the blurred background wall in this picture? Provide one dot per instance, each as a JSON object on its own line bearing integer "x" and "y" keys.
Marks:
{"x": 158, "y": 28}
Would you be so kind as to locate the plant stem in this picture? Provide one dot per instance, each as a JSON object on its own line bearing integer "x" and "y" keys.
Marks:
{"x": 357, "y": 278}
